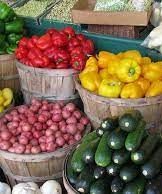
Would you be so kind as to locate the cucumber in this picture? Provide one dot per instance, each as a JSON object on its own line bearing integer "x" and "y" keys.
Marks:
{"x": 143, "y": 153}
{"x": 89, "y": 137}
{"x": 128, "y": 173}
{"x": 129, "y": 121}
{"x": 88, "y": 154}
{"x": 100, "y": 187}
{"x": 76, "y": 162}
{"x": 72, "y": 176}
{"x": 116, "y": 139}
{"x": 103, "y": 152}
{"x": 121, "y": 156}
{"x": 99, "y": 172}
{"x": 113, "y": 169}
{"x": 117, "y": 185}
{"x": 134, "y": 138}
{"x": 135, "y": 187}
{"x": 85, "y": 180}
{"x": 151, "y": 168}
{"x": 109, "y": 124}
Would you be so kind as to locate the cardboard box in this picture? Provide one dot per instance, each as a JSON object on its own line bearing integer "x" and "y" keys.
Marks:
{"x": 83, "y": 13}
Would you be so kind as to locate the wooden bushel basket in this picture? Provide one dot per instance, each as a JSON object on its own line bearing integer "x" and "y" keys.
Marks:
{"x": 98, "y": 108}
{"x": 8, "y": 72}
{"x": 50, "y": 84}
{"x": 36, "y": 168}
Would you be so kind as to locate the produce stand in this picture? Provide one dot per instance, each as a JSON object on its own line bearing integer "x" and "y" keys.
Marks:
{"x": 90, "y": 117}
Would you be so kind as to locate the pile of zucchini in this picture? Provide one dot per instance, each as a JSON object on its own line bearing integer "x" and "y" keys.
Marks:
{"x": 119, "y": 157}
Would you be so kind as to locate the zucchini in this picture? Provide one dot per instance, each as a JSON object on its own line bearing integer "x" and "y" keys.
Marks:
{"x": 100, "y": 131}
{"x": 89, "y": 137}
{"x": 129, "y": 121}
{"x": 76, "y": 162}
{"x": 152, "y": 189}
{"x": 134, "y": 138}
{"x": 72, "y": 176}
{"x": 151, "y": 168}
{"x": 143, "y": 153}
{"x": 121, "y": 156}
{"x": 116, "y": 139}
{"x": 109, "y": 124}
{"x": 100, "y": 187}
{"x": 113, "y": 169}
{"x": 85, "y": 180}
{"x": 99, "y": 172}
{"x": 128, "y": 173}
{"x": 88, "y": 154}
{"x": 135, "y": 187}
{"x": 103, "y": 152}
{"x": 117, "y": 185}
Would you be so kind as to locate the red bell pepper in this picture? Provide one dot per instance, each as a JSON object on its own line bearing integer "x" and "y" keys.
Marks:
{"x": 51, "y": 65}
{"x": 88, "y": 47}
{"x": 61, "y": 56}
{"x": 80, "y": 37}
{"x": 23, "y": 42}
{"x": 59, "y": 40}
{"x": 21, "y": 52}
{"x": 37, "y": 62}
{"x": 62, "y": 65}
{"x": 51, "y": 31}
{"x": 69, "y": 31}
{"x": 35, "y": 52}
{"x": 51, "y": 52}
{"x": 76, "y": 51}
{"x": 30, "y": 44}
{"x": 44, "y": 42}
{"x": 78, "y": 62}
{"x": 35, "y": 39}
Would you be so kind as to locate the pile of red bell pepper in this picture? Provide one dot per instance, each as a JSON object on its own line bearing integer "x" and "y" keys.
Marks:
{"x": 55, "y": 49}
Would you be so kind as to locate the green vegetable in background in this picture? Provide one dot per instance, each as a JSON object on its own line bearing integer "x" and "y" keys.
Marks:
{"x": 15, "y": 26}
{"x": 3, "y": 47}
{"x": 2, "y": 38}
{"x": 11, "y": 49}
{"x": 14, "y": 38}
{"x": 4, "y": 10}
{"x": 2, "y": 27}
{"x": 11, "y": 15}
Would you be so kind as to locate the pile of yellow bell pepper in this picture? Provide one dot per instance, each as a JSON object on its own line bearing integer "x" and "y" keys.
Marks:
{"x": 125, "y": 75}
{"x": 6, "y": 98}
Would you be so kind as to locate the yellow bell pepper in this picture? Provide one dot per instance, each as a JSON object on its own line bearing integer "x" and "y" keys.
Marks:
{"x": 120, "y": 55}
{"x": 145, "y": 60}
{"x": 144, "y": 83}
{"x": 152, "y": 71}
{"x": 1, "y": 100}
{"x": 128, "y": 70}
{"x": 132, "y": 90}
{"x": 104, "y": 74}
{"x": 104, "y": 58}
{"x": 112, "y": 67}
{"x": 7, "y": 95}
{"x": 155, "y": 89}
{"x": 1, "y": 109}
{"x": 91, "y": 61}
{"x": 110, "y": 88}
{"x": 133, "y": 54}
{"x": 90, "y": 81}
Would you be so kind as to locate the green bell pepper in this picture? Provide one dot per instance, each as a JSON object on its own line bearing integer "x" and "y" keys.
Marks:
{"x": 15, "y": 26}
{"x": 2, "y": 27}
{"x": 11, "y": 49}
{"x": 14, "y": 38}
{"x": 4, "y": 10}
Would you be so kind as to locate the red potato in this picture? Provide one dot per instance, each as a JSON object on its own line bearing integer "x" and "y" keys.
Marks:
{"x": 44, "y": 102}
{"x": 16, "y": 118}
{"x": 65, "y": 145}
{"x": 11, "y": 149}
{"x": 66, "y": 114}
{"x": 14, "y": 112}
{"x": 70, "y": 107}
{"x": 43, "y": 147}
{"x": 60, "y": 141}
{"x": 54, "y": 127}
{"x": 23, "y": 140}
{"x": 71, "y": 141}
{"x": 22, "y": 109}
{"x": 71, "y": 129}
{"x": 42, "y": 139}
{"x": 71, "y": 120}
{"x": 57, "y": 111}
{"x": 27, "y": 134}
{"x": 26, "y": 127}
{"x": 34, "y": 142}
{"x": 27, "y": 151}
{"x": 29, "y": 113}
{"x": 44, "y": 126}
{"x": 6, "y": 135}
{"x": 56, "y": 106}
{"x": 42, "y": 118}
{"x": 9, "y": 117}
{"x": 77, "y": 114}
{"x": 62, "y": 123}
{"x": 34, "y": 108}
{"x": 36, "y": 102}
{"x": 18, "y": 130}
{"x": 22, "y": 118}
{"x": 51, "y": 147}
{"x": 47, "y": 114}
{"x": 3, "y": 120}
{"x": 58, "y": 134}
{"x": 66, "y": 137}
{"x": 49, "y": 122}
{"x": 15, "y": 124}
{"x": 57, "y": 117}
{"x": 50, "y": 138}
{"x": 80, "y": 127}
{"x": 38, "y": 126}
{"x": 84, "y": 120}
{"x": 77, "y": 137}
{"x": 35, "y": 149}
{"x": 45, "y": 107}
{"x": 32, "y": 120}
{"x": 15, "y": 144}
{"x": 29, "y": 146}
{"x": 5, "y": 145}
{"x": 49, "y": 132}
{"x": 37, "y": 134}
{"x": 19, "y": 149}
{"x": 63, "y": 129}
{"x": 13, "y": 139}
{"x": 3, "y": 127}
